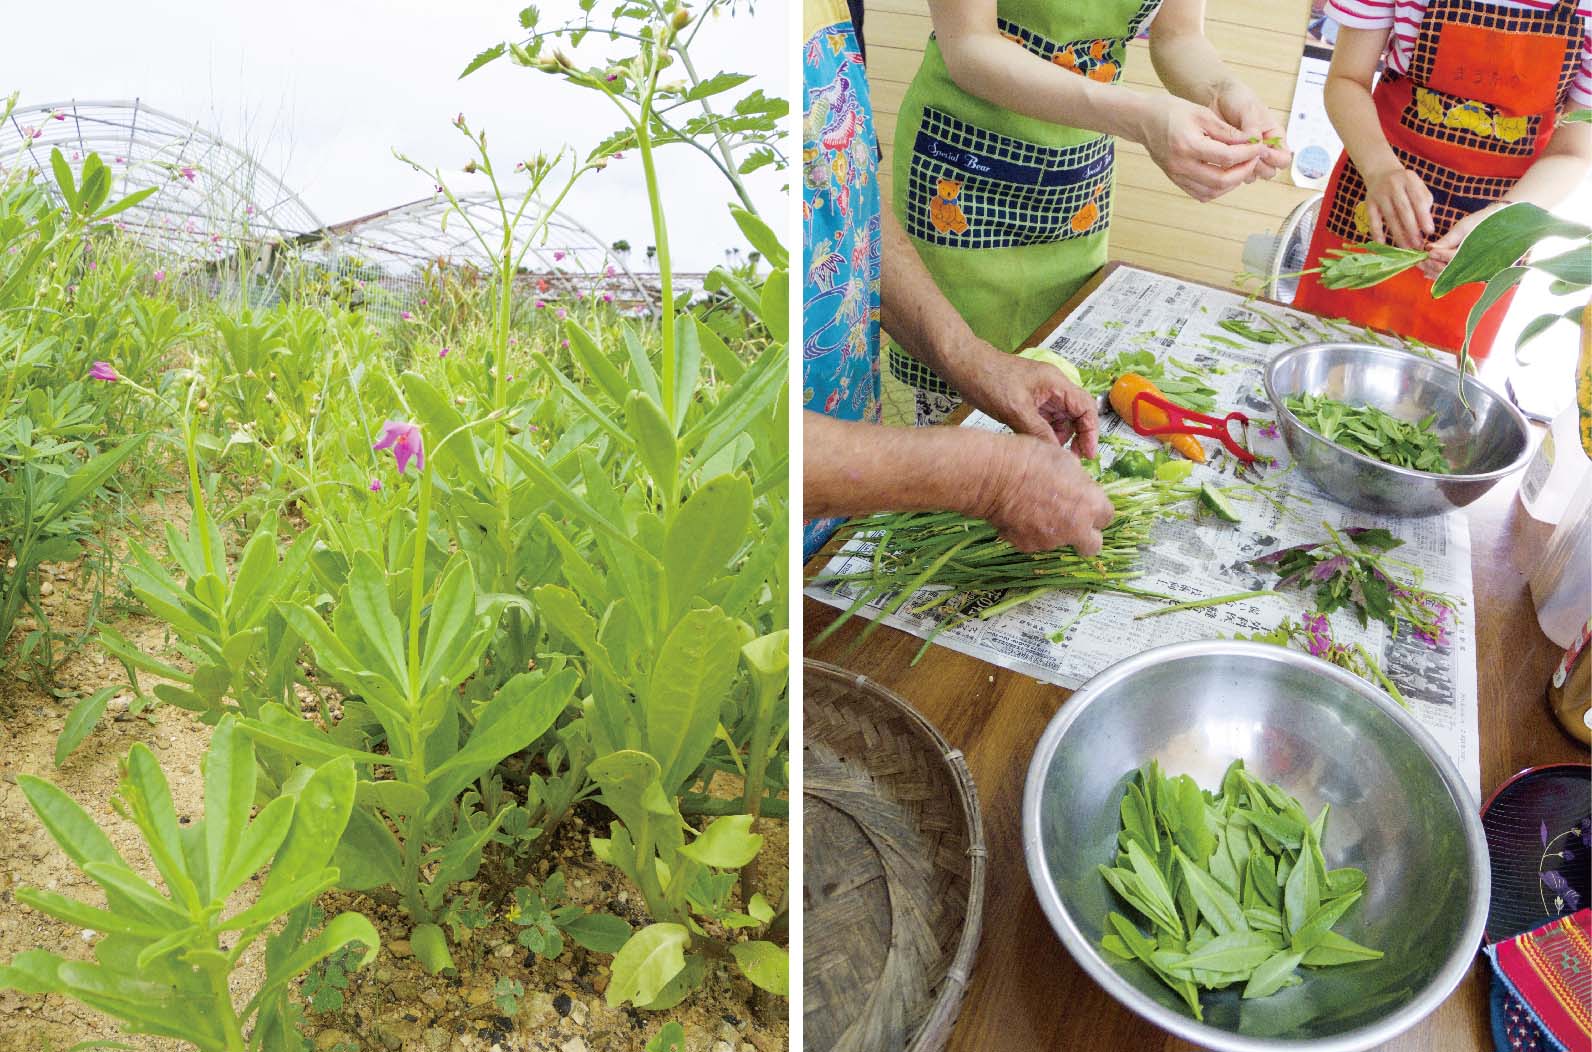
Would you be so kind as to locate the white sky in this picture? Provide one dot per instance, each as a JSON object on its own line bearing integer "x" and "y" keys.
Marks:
{"x": 324, "y": 90}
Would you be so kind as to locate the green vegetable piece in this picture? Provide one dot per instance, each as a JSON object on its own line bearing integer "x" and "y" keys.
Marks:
{"x": 1338, "y": 949}
{"x": 1316, "y": 926}
{"x": 1216, "y": 905}
{"x": 1302, "y": 894}
{"x": 1217, "y": 502}
{"x": 1134, "y": 464}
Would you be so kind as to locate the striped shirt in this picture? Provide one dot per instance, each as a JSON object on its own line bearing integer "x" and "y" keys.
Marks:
{"x": 1404, "y": 16}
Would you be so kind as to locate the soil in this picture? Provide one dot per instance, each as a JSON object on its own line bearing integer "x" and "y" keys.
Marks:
{"x": 393, "y": 1004}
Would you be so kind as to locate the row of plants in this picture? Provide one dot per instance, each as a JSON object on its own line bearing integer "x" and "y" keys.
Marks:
{"x": 565, "y": 584}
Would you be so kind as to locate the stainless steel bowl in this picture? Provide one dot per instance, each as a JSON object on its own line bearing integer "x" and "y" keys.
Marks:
{"x": 1400, "y": 811}
{"x": 1483, "y": 446}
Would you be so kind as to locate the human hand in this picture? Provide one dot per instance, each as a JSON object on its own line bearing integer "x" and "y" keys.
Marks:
{"x": 1441, "y": 251}
{"x": 1397, "y": 203}
{"x": 1034, "y": 398}
{"x": 1198, "y": 150}
{"x": 1242, "y": 108}
{"x": 1038, "y": 497}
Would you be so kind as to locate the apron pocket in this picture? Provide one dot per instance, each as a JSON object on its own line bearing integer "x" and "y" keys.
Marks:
{"x": 973, "y": 188}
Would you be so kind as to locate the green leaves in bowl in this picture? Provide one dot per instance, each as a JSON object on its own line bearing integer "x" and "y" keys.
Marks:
{"x": 1372, "y": 432}
{"x": 1234, "y": 886}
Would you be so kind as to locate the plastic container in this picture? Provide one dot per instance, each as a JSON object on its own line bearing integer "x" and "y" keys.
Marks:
{"x": 1561, "y": 585}
{"x": 1556, "y": 469}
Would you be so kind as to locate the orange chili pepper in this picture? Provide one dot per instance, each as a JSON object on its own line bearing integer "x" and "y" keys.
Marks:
{"x": 1127, "y": 388}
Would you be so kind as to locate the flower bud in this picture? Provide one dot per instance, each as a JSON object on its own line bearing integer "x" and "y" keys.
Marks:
{"x": 682, "y": 18}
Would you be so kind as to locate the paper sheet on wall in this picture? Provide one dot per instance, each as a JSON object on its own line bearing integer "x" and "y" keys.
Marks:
{"x": 1056, "y": 639}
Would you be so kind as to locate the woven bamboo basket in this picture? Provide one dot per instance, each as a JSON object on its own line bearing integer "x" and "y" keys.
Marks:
{"x": 893, "y": 882}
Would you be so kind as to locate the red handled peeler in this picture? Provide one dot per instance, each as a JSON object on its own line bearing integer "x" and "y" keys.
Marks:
{"x": 1180, "y": 421}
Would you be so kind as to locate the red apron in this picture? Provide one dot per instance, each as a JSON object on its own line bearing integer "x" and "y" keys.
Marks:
{"x": 1476, "y": 109}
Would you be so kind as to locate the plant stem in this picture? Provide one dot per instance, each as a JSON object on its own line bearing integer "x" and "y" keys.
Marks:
{"x": 1196, "y": 604}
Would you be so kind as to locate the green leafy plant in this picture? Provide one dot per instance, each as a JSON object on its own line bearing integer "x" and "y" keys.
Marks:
{"x": 544, "y": 922}
{"x": 165, "y": 960}
{"x": 1234, "y": 886}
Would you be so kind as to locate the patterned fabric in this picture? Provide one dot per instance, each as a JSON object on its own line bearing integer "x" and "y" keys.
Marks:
{"x": 1547, "y": 972}
{"x": 974, "y": 188}
{"x": 1403, "y": 20}
{"x": 840, "y": 238}
{"x": 1476, "y": 109}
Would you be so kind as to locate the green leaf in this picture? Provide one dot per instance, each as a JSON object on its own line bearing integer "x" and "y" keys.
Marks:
{"x": 346, "y": 929}
{"x": 89, "y": 478}
{"x": 599, "y": 932}
{"x": 1574, "y": 266}
{"x": 762, "y": 237}
{"x": 583, "y": 347}
{"x": 229, "y": 794}
{"x": 431, "y": 948}
{"x": 491, "y": 54}
{"x": 646, "y": 964}
{"x": 1272, "y": 974}
{"x": 145, "y": 789}
{"x": 1302, "y": 894}
{"x": 669, "y": 1038}
{"x": 774, "y": 305}
{"x": 1499, "y": 240}
{"x": 704, "y": 534}
{"x": 1543, "y": 322}
{"x": 1238, "y": 951}
{"x": 366, "y": 595}
{"x": 320, "y": 815}
{"x": 517, "y": 715}
{"x": 80, "y": 722}
{"x": 694, "y": 670}
{"x": 1310, "y": 934}
{"x": 727, "y": 843}
{"x": 714, "y": 85}
{"x": 1337, "y": 949}
{"x": 1215, "y": 904}
{"x": 64, "y": 180}
{"x": 767, "y": 965}
{"x": 655, "y": 441}
{"x": 68, "y": 824}
{"x": 257, "y": 845}
{"x": 368, "y": 855}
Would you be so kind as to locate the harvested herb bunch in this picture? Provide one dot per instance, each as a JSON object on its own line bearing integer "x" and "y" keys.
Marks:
{"x": 1371, "y": 432}
{"x": 1351, "y": 568}
{"x": 1188, "y": 386}
{"x": 1313, "y": 635}
{"x": 1361, "y": 266}
{"x": 909, "y": 551}
{"x": 1233, "y": 885}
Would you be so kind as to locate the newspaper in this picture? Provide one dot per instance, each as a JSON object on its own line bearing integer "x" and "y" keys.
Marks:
{"x": 1065, "y": 638}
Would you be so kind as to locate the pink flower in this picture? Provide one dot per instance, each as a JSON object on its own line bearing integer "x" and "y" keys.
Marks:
{"x": 32, "y": 133}
{"x": 187, "y": 173}
{"x": 612, "y": 77}
{"x": 103, "y": 371}
{"x": 442, "y": 353}
{"x": 375, "y": 485}
{"x": 58, "y": 115}
{"x": 564, "y": 344}
{"x": 558, "y": 256}
{"x": 579, "y": 295}
{"x": 559, "y": 314}
{"x": 159, "y": 276}
{"x": 405, "y": 442}
{"x": 608, "y": 297}
{"x": 541, "y": 304}
{"x": 121, "y": 160}
{"x": 608, "y": 272}
{"x": 93, "y": 265}
{"x": 619, "y": 156}
{"x": 458, "y": 122}
{"x": 405, "y": 315}
{"x": 1269, "y": 430}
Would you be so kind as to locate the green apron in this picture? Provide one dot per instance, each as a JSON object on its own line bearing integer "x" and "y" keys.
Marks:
{"x": 1008, "y": 212}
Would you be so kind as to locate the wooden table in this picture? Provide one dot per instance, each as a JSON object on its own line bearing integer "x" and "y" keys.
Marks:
{"x": 1027, "y": 994}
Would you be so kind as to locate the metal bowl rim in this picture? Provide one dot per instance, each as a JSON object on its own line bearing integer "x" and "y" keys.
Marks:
{"x": 1516, "y": 416}
{"x": 1187, "y": 1027}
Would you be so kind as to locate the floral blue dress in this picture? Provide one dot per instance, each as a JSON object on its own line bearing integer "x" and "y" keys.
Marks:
{"x": 840, "y": 213}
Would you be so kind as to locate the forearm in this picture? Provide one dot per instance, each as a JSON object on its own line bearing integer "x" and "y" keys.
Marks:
{"x": 986, "y": 64}
{"x": 855, "y": 469}
{"x": 1560, "y": 169}
{"x": 1348, "y": 99}
{"x": 1187, "y": 62}
{"x": 916, "y": 314}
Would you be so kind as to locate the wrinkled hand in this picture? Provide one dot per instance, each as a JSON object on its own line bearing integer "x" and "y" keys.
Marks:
{"x": 1038, "y": 497}
{"x": 1200, "y": 151}
{"x": 1034, "y": 398}
{"x": 1443, "y": 249}
{"x": 1242, "y": 108}
{"x": 1398, "y": 205}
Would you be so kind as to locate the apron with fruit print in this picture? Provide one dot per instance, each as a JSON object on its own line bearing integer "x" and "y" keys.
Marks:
{"x": 840, "y": 231}
{"x": 1009, "y": 212}
{"x": 1476, "y": 109}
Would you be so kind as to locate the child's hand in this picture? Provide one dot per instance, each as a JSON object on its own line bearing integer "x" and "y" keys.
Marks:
{"x": 1398, "y": 204}
{"x": 1443, "y": 249}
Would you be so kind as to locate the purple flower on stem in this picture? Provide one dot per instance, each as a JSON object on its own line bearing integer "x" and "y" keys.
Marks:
{"x": 405, "y": 315}
{"x": 405, "y": 442}
{"x": 159, "y": 276}
{"x": 58, "y": 115}
{"x": 1269, "y": 430}
{"x": 558, "y": 256}
{"x": 559, "y": 313}
{"x": 608, "y": 271}
{"x": 608, "y": 297}
{"x": 1320, "y": 634}
{"x": 564, "y": 344}
{"x": 188, "y": 173}
{"x": 375, "y": 485}
{"x": 541, "y": 304}
{"x": 103, "y": 371}
{"x": 442, "y": 353}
